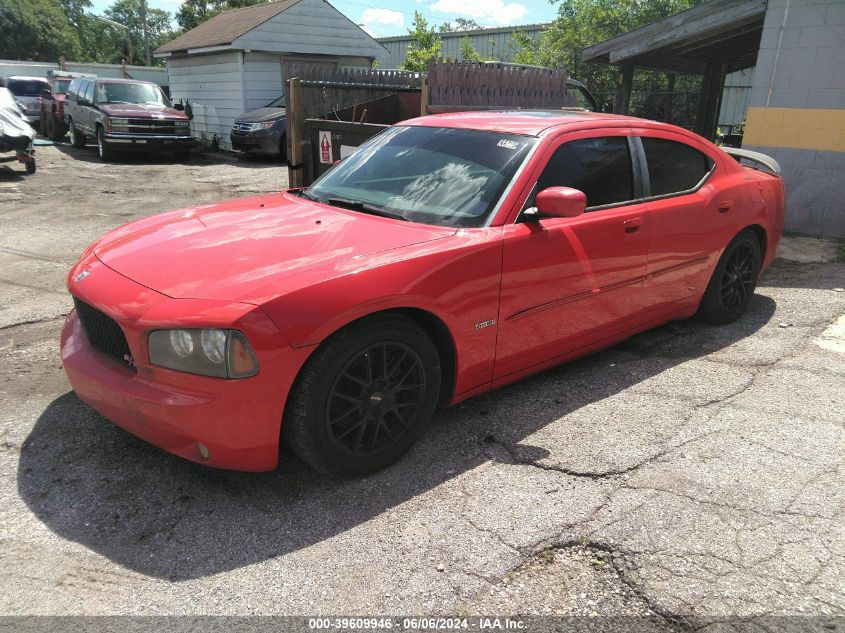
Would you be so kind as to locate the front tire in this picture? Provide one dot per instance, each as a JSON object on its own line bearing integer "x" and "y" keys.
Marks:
{"x": 30, "y": 167}
{"x": 103, "y": 148}
{"x": 733, "y": 281}
{"x": 364, "y": 397}
{"x": 77, "y": 139}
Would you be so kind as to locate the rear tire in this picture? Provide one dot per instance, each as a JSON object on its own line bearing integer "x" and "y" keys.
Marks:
{"x": 364, "y": 397}
{"x": 733, "y": 281}
{"x": 30, "y": 167}
{"x": 77, "y": 139}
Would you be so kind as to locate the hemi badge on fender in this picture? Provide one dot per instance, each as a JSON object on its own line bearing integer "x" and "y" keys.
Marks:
{"x": 484, "y": 324}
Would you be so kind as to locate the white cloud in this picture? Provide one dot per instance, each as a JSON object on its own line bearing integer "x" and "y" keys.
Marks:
{"x": 382, "y": 17}
{"x": 495, "y": 11}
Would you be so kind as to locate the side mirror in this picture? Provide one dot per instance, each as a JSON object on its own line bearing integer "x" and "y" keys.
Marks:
{"x": 46, "y": 93}
{"x": 607, "y": 108}
{"x": 561, "y": 202}
{"x": 179, "y": 106}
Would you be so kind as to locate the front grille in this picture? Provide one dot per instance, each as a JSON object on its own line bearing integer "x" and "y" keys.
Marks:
{"x": 103, "y": 332}
{"x": 241, "y": 127}
{"x": 145, "y": 126}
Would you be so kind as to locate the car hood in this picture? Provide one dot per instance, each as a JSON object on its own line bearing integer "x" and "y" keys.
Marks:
{"x": 234, "y": 251}
{"x": 142, "y": 110}
{"x": 263, "y": 114}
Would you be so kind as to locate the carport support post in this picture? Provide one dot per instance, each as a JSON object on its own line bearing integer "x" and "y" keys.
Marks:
{"x": 295, "y": 129}
{"x": 624, "y": 82}
{"x": 709, "y": 100}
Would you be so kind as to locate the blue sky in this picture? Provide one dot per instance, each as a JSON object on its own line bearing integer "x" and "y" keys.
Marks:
{"x": 393, "y": 17}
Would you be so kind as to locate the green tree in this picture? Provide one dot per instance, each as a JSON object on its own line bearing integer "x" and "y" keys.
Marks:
{"x": 579, "y": 24}
{"x": 468, "y": 52}
{"x": 37, "y": 30}
{"x": 128, "y": 13}
{"x": 425, "y": 46}
{"x": 460, "y": 24}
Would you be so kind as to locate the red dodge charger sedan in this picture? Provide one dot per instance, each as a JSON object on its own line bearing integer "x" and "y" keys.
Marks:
{"x": 447, "y": 256}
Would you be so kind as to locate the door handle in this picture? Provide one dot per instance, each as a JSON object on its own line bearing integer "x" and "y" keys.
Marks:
{"x": 725, "y": 206}
{"x": 632, "y": 226}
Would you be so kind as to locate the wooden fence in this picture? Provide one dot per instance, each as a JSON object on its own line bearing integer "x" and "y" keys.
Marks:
{"x": 324, "y": 91}
{"x": 455, "y": 86}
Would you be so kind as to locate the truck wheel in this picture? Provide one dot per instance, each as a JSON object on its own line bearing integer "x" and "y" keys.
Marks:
{"x": 30, "y": 166}
{"x": 364, "y": 397}
{"x": 77, "y": 139}
{"x": 104, "y": 149}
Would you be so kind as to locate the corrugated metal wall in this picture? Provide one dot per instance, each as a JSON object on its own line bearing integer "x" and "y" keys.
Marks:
{"x": 493, "y": 43}
{"x": 735, "y": 97}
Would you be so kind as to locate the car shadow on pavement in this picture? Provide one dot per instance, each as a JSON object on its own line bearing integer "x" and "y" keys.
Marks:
{"x": 92, "y": 483}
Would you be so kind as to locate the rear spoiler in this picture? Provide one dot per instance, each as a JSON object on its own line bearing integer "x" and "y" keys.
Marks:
{"x": 755, "y": 157}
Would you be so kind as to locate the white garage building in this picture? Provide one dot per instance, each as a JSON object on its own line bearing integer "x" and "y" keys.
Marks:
{"x": 233, "y": 62}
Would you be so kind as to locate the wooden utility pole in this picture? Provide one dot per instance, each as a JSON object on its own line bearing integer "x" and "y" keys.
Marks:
{"x": 143, "y": 4}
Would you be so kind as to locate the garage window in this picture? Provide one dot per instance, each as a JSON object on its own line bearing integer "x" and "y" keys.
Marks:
{"x": 600, "y": 167}
{"x": 674, "y": 167}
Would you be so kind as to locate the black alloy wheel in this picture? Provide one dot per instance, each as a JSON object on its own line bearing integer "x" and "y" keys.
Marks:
{"x": 375, "y": 398}
{"x": 738, "y": 277}
{"x": 364, "y": 397}
{"x": 733, "y": 281}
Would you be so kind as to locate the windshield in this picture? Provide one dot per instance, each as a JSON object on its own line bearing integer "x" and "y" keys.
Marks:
{"x": 130, "y": 93}
{"x": 27, "y": 87}
{"x": 278, "y": 103}
{"x": 444, "y": 176}
{"x": 60, "y": 85}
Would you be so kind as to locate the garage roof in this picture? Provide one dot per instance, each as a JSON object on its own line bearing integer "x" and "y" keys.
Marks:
{"x": 226, "y": 27}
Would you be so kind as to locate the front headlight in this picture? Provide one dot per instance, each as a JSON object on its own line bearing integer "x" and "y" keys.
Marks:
{"x": 263, "y": 125}
{"x": 183, "y": 126}
{"x": 210, "y": 352}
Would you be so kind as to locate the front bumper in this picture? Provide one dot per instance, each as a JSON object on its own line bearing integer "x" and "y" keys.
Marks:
{"x": 162, "y": 142}
{"x": 237, "y": 421}
{"x": 258, "y": 142}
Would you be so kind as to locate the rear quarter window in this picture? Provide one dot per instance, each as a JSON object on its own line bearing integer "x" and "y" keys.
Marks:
{"x": 674, "y": 167}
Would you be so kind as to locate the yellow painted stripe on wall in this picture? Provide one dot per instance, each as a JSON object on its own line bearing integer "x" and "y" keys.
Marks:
{"x": 800, "y": 128}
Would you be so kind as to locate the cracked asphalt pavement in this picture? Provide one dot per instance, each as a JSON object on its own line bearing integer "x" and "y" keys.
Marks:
{"x": 690, "y": 473}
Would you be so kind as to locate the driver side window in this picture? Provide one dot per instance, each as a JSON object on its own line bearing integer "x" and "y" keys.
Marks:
{"x": 600, "y": 167}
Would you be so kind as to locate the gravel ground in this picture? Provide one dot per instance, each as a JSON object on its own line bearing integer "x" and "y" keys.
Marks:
{"x": 691, "y": 474}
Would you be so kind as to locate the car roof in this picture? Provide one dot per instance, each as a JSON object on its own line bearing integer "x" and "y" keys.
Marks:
{"x": 527, "y": 122}
{"x": 115, "y": 80}
{"x": 25, "y": 78}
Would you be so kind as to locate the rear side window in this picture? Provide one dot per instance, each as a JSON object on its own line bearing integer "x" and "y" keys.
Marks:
{"x": 674, "y": 167}
{"x": 600, "y": 167}
{"x": 89, "y": 92}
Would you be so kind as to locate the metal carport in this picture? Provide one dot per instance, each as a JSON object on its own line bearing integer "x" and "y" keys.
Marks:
{"x": 711, "y": 40}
